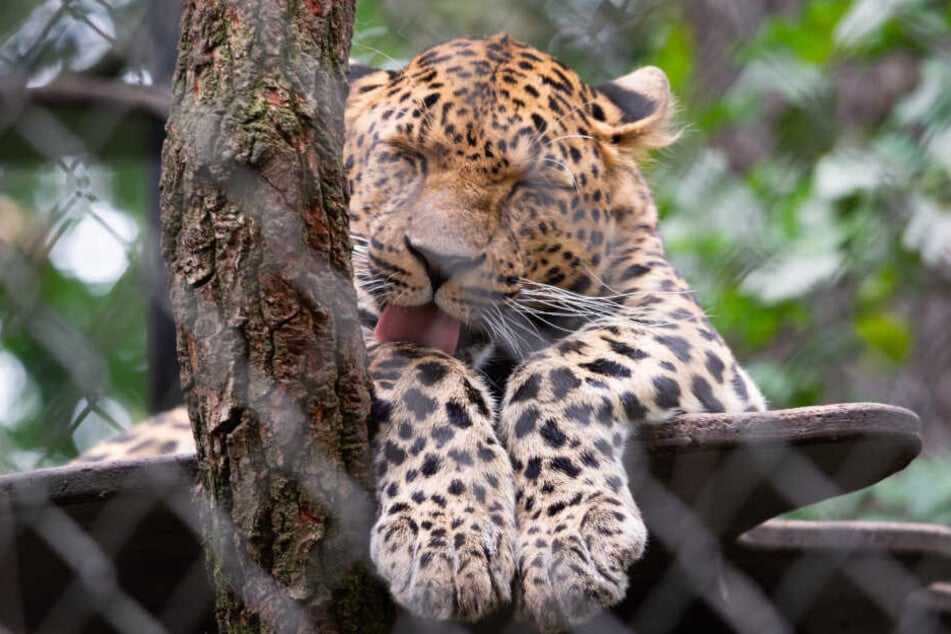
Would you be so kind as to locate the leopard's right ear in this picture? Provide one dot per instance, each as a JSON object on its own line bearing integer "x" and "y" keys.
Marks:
{"x": 637, "y": 111}
{"x": 358, "y": 71}
{"x": 363, "y": 83}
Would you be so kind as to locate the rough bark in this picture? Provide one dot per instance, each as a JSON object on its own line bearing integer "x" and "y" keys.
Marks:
{"x": 272, "y": 364}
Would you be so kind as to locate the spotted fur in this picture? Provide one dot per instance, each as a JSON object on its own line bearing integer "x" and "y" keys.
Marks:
{"x": 486, "y": 177}
{"x": 168, "y": 433}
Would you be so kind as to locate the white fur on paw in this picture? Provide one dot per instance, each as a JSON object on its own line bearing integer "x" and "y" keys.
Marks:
{"x": 575, "y": 564}
{"x": 456, "y": 563}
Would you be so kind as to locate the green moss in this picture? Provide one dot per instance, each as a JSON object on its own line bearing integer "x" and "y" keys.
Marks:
{"x": 361, "y": 604}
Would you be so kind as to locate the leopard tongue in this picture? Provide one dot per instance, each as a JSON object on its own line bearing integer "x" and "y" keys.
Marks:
{"x": 425, "y": 325}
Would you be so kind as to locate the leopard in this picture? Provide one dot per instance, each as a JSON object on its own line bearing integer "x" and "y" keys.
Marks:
{"x": 522, "y": 322}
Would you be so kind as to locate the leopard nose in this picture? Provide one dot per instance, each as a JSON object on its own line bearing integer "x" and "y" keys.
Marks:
{"x": 441, "y": 267}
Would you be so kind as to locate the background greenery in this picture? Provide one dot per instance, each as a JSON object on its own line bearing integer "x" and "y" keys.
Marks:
{"x": 808, "y": 202}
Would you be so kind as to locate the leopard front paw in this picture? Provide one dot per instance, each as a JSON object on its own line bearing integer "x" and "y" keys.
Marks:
{"x": 455, "y": 563}
{"x": 575, "y": 563}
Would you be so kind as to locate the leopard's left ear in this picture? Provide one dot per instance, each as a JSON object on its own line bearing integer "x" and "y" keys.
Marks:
{"x": 638, "y": 112}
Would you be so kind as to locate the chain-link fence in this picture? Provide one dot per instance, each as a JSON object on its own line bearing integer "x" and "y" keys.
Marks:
{"x": 83, "y": 98}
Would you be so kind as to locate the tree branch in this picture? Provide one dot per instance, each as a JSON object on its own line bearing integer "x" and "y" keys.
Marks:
{"x": 83, "y": 91}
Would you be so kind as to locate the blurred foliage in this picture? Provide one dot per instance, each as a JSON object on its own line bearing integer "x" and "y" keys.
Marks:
{"x": 921, "y": 493}
{"x": 808, "y": 198}
{"x": 830, "y": 208}
{"x": 72, "y": 304}
{"x": 43, "y": 38}
{"x": 72, "y": 326}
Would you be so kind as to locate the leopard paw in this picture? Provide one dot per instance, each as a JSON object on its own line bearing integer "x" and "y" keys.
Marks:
{"x": 575, "y": 564}
{"x": 455, "y": 563}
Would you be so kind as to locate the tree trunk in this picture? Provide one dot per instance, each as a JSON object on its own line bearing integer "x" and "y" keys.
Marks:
{"x": 254, "y": 228}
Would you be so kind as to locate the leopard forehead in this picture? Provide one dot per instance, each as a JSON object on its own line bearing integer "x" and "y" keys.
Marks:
{"x": 492, "y": 109}
{"x": 494, "y": 101}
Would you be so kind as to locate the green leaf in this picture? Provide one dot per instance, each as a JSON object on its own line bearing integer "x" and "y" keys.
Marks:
{"x": 807, "y": 35}
{"x": 886, "y": 333}
{"x": 675, "y": 57}
{"x": 864, "y": 20}
{"x": 876, "y": 289}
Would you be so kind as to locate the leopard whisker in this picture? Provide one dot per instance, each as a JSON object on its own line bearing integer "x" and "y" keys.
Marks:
{"x": 499, "y": 331}
{"x": 529, "y": 312}
{"x": 530, "y": 325}
{"x": 556, "y": 312}
{"x": 533, "y": 302}
{"x": 598, "y": 279}
{"x": 564, "y": 168}
{"x": 571, "y": 111}
{"x": 529, "y": 333}
{"x": 359, "y": 45}
{"x": 571, "y": 136}
{"x": 547, "y": 290}
{"x": 539, "y": 292}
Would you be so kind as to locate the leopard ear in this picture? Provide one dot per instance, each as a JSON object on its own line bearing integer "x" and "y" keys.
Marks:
{"x": 640, "y": 111}
{"x": 363, "y": 83}
{"x": 358, "y": 71}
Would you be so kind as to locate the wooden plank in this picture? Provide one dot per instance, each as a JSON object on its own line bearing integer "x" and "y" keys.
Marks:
{"x": 868, "y": 577}
{"x": 736, "y": 471}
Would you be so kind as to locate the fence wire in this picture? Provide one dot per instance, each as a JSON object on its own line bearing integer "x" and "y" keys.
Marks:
{"x": 118, "y": 548}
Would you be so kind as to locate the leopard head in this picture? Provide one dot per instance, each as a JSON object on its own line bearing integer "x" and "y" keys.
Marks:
{"x": 485, "y": 172}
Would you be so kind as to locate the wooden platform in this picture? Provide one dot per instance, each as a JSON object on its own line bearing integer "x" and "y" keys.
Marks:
{"x": 114, "y": 547}
{"x": 866, "y": 577}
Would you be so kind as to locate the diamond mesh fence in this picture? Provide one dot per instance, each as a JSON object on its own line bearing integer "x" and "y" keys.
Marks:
{"x": 84, "y": 90}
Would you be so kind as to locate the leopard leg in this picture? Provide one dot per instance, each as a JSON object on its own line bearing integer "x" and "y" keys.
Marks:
{"x": 566, "y": 415}
{"x": 444, "y": 536}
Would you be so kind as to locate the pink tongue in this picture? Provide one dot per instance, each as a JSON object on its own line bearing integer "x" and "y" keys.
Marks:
{"x": 425, "y": 325}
